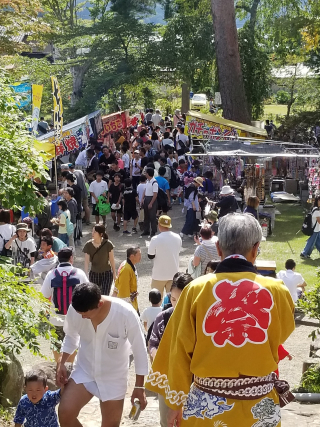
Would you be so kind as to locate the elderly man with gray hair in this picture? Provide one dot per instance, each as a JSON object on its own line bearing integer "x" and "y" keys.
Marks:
{"x": 224, "y": 335}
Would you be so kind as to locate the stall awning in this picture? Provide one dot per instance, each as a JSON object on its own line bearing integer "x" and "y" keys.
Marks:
{"x": 75, "y": 124}
{"x": 245, "y": 149}
{"x": 209, "y": 125}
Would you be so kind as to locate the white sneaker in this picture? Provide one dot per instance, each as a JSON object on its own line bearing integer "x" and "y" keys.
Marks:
{"x": 190, "y": 236}
{"x": 181, "y": 235}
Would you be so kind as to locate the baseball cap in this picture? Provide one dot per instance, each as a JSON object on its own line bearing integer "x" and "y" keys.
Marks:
{"x": 165, "y": 221}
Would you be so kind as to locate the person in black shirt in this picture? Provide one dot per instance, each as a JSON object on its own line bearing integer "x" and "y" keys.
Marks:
{"x": 116, "y": 170}
{"x": 93, "y": 165}
{"x": 106, "y": 159}
{"x": 115, "y": 197}
{"x": 130, "y": 200}
{"x": 144, "y": 158}
{"x": 76, "y": 189}
{"x": 228, "y": 202}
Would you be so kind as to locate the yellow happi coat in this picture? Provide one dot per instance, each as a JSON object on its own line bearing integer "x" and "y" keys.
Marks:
{"x": 224, "y": 325}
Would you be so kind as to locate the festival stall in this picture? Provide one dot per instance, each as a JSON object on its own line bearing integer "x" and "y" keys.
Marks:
{"x": 75, "y": 136}
{"x": 207, "y": 127}
{"x": 113, "y": 123}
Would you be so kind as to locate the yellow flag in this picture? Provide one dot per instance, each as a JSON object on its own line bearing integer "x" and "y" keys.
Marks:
{"x": 36, "y": 104}
{"x": 57, "y": 110}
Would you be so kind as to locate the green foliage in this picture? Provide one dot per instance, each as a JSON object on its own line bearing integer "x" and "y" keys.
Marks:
{"x": 23, "y": 318}
{"x": 310, "y": 381}
{"x": 187, "y": 47}
{"x": 283, "y": 97}
{"x": 297, "y": 128}
{"x": 19, "y": 159}
{"x": 310, "y": 305}
{"x": 256, "y": 70}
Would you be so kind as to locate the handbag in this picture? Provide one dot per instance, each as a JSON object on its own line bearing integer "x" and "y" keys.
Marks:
{"x": 103, "y": 206}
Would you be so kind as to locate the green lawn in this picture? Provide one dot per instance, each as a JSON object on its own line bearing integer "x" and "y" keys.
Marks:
{"x": 281, "y": 110}
{"x": 285, "y": 243}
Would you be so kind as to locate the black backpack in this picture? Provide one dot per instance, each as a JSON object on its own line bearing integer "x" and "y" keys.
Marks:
{"x": 162, "y": 198}
{"x": 307, "y": 228}
{"x": 63, "y": 285}
{"x": 174, "y": 181}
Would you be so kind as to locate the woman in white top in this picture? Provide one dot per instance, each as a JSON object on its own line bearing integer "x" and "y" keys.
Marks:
{"x": 314, "y": 239}
{"x": 22, "y": 245}
{"x": 6, "y": 230}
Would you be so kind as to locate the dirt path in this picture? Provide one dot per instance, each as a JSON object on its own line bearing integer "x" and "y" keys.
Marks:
{"x": 298, "y": 343}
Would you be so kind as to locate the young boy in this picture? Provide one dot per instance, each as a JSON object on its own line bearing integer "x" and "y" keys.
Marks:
{"x": 37, "y": 407}
{"x": 115, "y": 194}
{"x": 130, "y": 200}
{"x": 46, "y": 251}
{"x": 96, "y": 189}
{"x": 149, "y": 315}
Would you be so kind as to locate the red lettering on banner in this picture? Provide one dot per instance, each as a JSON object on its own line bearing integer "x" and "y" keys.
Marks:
{"x": 60, "y": 149}
{"x": 199, "y": 128}
{"x": 191, "y": 127}
{"x": 71, "y": 143}
{"x": 240, "y": 314}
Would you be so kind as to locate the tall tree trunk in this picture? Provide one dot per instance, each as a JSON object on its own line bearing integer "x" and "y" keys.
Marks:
{"x": 185, "y": 98}
{"x": 78, "y": 72}
{"x": 234, "y": 102}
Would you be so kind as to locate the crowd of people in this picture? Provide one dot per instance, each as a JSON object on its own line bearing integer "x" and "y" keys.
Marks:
{"x": 212, "y": 334}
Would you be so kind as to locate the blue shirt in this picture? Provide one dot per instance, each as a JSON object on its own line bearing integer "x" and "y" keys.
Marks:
{"x": 163, "y": 183}
{"x": 41, "y": 414}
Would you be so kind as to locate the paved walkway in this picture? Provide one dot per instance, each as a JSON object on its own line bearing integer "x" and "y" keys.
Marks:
{"x": 294, "y": 415}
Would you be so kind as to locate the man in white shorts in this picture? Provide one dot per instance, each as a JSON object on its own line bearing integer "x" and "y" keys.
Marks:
{"x": 104, "y": 329}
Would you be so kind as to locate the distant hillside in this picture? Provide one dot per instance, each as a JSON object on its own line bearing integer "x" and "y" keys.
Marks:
{"x": 157, "y": 18}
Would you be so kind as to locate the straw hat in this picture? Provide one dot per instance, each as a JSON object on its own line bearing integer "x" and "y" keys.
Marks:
{"x": 225, "y": 190}
{"x": 165, "y": 221}
{"x": 199, "y": 181}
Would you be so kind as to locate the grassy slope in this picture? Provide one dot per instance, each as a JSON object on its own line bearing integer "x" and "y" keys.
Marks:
{"x": 275, "y": 109}
{"x": 285, "y": 243}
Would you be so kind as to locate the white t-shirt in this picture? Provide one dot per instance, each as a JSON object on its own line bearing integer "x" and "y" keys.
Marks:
{"x": 315, "y": 215}
{"x": 292, "y": 280}
{"x": 140, "y": 190}
{"x": 126, "y": 160}
{"x": 103, "y": 355}
{"x": 136, "y": 170}
{"x": 82, "y": 159}
{"x": 47, "y": 290}
{"x": 151, "y": 187}
{"x": 167, "y": 142}
{"x": 184, "y": 138}
{"x": 156, "y": 118}
{"x": 97, "y": 188}
{"x": 6, "y": 232}
{"x": 27, "y": 247}
{"x": 149, "y": 315}
{"x": 166, "y": 248}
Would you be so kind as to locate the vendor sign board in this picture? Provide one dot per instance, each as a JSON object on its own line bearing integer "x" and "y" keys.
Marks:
{"x": 114, "y": 122}
{"x": 36, "y": 104}
{"x": 72, "y": 140}
{"x": 74, "y": 137}
{"x": 209, "y": 126}
{"x": 57, "y": 110}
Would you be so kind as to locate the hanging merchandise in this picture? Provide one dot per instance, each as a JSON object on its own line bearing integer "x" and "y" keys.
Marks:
{"x": 255, "y": 181}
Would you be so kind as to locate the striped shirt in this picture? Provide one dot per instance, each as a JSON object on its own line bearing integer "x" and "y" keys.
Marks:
{"x": 207, "y": 251}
